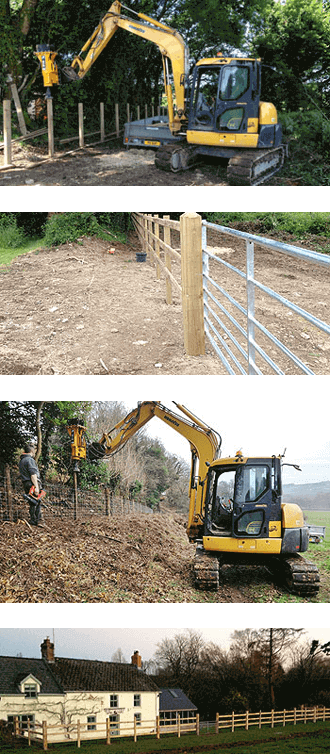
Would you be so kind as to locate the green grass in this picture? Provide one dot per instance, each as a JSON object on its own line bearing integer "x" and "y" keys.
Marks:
{"x": 301, "y": 739}
{"x": 298, "y": 224}
{"x": 7, "y": 255}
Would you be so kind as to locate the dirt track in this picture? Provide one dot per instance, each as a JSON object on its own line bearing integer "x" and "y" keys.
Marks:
{"x": 107, "y": 166}
{"x": 77, "y": 309}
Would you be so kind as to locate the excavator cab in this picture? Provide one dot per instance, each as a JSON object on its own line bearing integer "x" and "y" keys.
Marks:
{"x": 225, "y": 96}
{"x": 225, "y": 108}
{"x": 244, "y": 501}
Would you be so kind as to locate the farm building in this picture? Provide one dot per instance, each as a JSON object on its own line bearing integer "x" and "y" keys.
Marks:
{"x": 174, "y": 702}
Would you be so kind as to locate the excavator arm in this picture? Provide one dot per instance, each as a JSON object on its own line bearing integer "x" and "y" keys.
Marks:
{"x": 169, "y": 42}
{"x": 204, "y": 445}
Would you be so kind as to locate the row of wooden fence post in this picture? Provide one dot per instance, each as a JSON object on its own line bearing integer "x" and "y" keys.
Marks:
{"x": 7, "y": 129}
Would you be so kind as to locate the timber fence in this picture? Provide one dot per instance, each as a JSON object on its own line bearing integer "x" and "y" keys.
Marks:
{"x": 249, "y": 325}
{"x": 117, "y": 118}
{"x": 79, "y": 731}
{"x": 60, "y": 503}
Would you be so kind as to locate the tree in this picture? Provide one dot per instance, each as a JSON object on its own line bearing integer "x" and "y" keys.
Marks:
{"x": 118, "y": 656}
{"x": 266, "y": 648}
{"x": 294, "y": 39}
{"x": 179, "y": 658}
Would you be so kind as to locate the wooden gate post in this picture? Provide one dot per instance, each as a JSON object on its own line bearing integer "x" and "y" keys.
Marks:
{"x": 50, "y": 125}
{"x": 192, "y": 283}
{"x": 81, "y": 123}
{"x": 9, "y": 493}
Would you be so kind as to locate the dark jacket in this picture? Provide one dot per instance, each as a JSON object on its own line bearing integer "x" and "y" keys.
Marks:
{"x": 27, "y": 467}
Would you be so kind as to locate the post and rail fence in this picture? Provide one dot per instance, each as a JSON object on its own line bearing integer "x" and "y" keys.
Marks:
{"x": 117, "y": 117}
{"x": 79, "y": 731}
{"x": 219, "y": 300}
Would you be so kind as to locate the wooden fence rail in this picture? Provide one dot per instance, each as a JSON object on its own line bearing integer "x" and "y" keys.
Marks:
{"x": 82, "y": 731}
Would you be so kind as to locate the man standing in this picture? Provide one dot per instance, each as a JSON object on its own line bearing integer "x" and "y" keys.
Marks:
{"x": 30, "y": 477}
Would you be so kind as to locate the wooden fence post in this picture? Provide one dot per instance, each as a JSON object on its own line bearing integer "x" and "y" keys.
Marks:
{"x": 50, "y": 126}
{"x": 107, "y": 502}
{"x": 247, "y": 720}
{"x": 78, "y": 734}
{"x": 179, "y": 725}
{"x": 197, "y": 724}
{"x": 138, "y": 112}
{"x": 128, "y": 112}
{"x": 192, "y": 283}
{"x": 134, "y": 729}
{"x": 217, "y": 722}
{"x": 157, "y": 727}
{"x": 44, "y": 735}
{"x": 16, "y": 727}
{"x": 168, "y": 261}
{"x": 272, "y": 719}
{"x": 81, "y": 123}
{"x": 157, "y": 247}
{"x": 232, "y": 722}
{"x": 260, "y": 718}
{"x": 146, "y": 111}
{"x": 150, "y": 239}
{"x": 7, "y": 132}
{"x": 102, "y": 131}
{"x": 19, "y": 111}
{"x": 314, "y": 714}
{"x": 29, "y": 732}
{"x": 145, "y": 234}
{"x": 284, "y": 718}
{"x": 117, "y": 120}
{"x": 9, "y": 493}
{"x": 108, "y": 731}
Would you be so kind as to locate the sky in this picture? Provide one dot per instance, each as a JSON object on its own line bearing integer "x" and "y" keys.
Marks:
{"x": 261, "y": 428}
{"x": 101, "y": 643}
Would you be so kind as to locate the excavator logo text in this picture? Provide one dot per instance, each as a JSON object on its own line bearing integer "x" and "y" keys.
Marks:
{"x": 168, "y": 418}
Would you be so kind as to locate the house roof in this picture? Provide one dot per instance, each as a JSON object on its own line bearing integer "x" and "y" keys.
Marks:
{"x": 94, "y": 675}
{"x": 174, "y": 699}
{"x": 13, "y": 670}
{"x": 65, "y": 674}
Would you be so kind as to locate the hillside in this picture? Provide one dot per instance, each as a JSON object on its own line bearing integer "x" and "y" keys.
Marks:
{"x": 126, "y": 558}
{"x": 313, "y": 496}
{"x": 93, "y": 560}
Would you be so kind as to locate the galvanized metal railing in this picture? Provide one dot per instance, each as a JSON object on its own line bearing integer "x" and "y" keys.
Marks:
{"x": 223, "y": 325}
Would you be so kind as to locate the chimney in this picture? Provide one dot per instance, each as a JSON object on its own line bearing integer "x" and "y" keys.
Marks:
{"x": 136, "y": 660}
{"x": 47, "y": 650}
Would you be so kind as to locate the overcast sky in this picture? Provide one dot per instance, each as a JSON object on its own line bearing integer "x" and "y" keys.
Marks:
{"x": 261, "y": 428}
{"x": 100, "y": 644}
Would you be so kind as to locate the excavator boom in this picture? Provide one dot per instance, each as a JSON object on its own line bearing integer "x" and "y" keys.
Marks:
{"x": 169, "y": 42}
{"x": 204, "y": 445}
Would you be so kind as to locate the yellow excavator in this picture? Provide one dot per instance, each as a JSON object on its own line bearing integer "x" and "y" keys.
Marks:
{"x": 236, "y": 513}
{"x": 219, "y": 114}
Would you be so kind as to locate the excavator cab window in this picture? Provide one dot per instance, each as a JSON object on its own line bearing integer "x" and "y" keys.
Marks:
{"x": 251, "y": 483}
{"x": 205, "y": 95}
{"x": 234, "y": 82}
{"x": 236, "y": 500}
{"x": 217, "y": 94}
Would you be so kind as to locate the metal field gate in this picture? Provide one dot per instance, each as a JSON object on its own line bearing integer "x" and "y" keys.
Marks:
{"x": 231, "y": 326}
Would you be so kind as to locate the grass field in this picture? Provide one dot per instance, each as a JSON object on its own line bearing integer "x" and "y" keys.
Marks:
{"x": 300, "y": 739}
{"x": 7, "y": 255}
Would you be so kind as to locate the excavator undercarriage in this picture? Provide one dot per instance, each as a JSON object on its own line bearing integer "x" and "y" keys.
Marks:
{"x": 294, "y": 573}
{"x": 253, "y": 167}
{"x": 245, "y": 168}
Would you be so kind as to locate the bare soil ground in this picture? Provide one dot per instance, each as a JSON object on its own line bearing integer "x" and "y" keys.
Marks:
{"x": 68, "y": 309}
{"x": 126, "y": 558}
{"x": 79, "y": 309}
{"x": 112, "y": 165}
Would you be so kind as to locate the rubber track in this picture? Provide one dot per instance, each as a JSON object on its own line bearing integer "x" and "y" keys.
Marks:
{"x": 298, "y": 575}
{"x": 241, "y": 168}
{"x": 164, "y": 155}
{"x": 206, "y": 571}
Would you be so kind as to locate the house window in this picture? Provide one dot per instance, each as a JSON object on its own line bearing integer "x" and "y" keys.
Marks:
{"x": 23, "y": 720}
{"x": 137, "y": 700}
{"x": 137, "y": 718}
{"x": 114, "y": 725}
{"x": 91, "y": 722}
{"x": 30, "y": 690}
{"x": 113, "y": 700}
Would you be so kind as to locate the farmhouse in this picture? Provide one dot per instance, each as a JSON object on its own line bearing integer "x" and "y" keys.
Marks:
{"x": 62, "y": 690}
